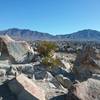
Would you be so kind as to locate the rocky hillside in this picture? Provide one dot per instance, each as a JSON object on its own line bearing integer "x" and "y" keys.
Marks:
{"x": 26, "y": 34}
{"x": 49, "y": 75}
{"x": 84, "y": 35}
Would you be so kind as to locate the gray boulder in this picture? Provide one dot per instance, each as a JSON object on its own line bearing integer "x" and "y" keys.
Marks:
{"x": 64, "y": 81}
{"x": 28, "y": 69}
{"x": 16, "y": 51}
{"x": 96, "y": 76}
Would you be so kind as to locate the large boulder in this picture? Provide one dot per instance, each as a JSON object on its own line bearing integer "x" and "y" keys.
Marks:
{"x": 16, "y": 51}
{"x": 66, "y": 82}
{"x": 62, "y": 71}
{"x": 87, "y": 90}
{"x": 25, "y": 89}
{"x": 87, "y": 63}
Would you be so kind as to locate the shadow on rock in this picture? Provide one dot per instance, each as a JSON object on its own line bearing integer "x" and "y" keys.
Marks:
{"x": 61, "y": 97}
{"x": 5, "y": 93}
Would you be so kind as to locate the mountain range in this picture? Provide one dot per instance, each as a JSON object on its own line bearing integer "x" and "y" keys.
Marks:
{"x": 26, "y": 34}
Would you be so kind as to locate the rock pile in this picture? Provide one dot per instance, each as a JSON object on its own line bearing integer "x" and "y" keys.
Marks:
{"x": 34, "y": 81}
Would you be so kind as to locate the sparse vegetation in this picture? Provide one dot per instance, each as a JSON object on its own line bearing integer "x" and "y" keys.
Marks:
{"x": 46, "y": 50}
{"x": 51, "y": 62}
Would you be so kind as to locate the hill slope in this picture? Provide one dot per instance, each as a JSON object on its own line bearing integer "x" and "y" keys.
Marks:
{"x": 26, "y": 34}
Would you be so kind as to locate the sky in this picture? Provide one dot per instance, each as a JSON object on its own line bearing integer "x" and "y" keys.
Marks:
{"x": 50, "y": 16}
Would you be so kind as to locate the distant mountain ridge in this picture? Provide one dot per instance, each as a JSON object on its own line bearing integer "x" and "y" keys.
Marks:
{"x": 26, "y": 34}
{"x": 87, "y": 34}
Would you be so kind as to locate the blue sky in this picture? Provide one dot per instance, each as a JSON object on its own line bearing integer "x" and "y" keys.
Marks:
{"x": 52, "y": 16}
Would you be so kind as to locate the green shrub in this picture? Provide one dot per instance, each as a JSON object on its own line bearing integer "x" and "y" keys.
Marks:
{"x": 46, "y": 48}
{"x": 51, "y": 62}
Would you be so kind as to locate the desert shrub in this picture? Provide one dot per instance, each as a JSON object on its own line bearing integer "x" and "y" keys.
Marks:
{"x": 46, "y": 48}
{"x": 51, "y": 62}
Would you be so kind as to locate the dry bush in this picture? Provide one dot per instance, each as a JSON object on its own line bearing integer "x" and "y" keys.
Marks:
{"x": 51, "y": 62}
{"x": 46, "y": 48}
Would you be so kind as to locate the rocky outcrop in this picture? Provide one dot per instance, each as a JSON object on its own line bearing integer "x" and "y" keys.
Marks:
{"x": 87, "y": 90}
{"x": 87, "y": 63}
{"x": 16, "y": 51}
{"x": 25, "y": 89}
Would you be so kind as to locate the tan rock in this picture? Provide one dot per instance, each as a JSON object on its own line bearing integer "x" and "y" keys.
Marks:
{"x": 87, "y": 90}
{"x": 25, "y": 89}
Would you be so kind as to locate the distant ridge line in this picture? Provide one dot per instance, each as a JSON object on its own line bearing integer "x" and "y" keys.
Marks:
{"x": 26, "y": 34}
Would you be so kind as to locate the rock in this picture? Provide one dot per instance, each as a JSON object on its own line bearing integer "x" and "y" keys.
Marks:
{"x": 96, "y": 76}
{"x": 2, "y": 76}
{"x": 26, "y": 58}
{"x": 1, "y": 98}
{"x": 5, "y": 93}
{"x": 87, "y": 63}
{"x": 2, "y": 73}
{"x": 39, "y": 72}
{"x": 5, "y": 66}
{"x": 66, "y": 65}
{"x": 16, "y": 51}
{"x": 40, "y": 75}
{"x": 25, "y": 89}
{"x": 49, "y": 76}
{"x": 55, "y": 95}
{"x": 87, "y": 90}
{"x": 64, "y": 81}
{"x": 53, "y": 81}
{"x": 28, "y": 69}
{"x": 12, "y": 71}
{"x": 63, "y": 71}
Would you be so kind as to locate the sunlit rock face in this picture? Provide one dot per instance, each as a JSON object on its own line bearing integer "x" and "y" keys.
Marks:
{"x": 87, "y": 90}
{"x": 25, "y": 89}
{"x": 15, "y": 51}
